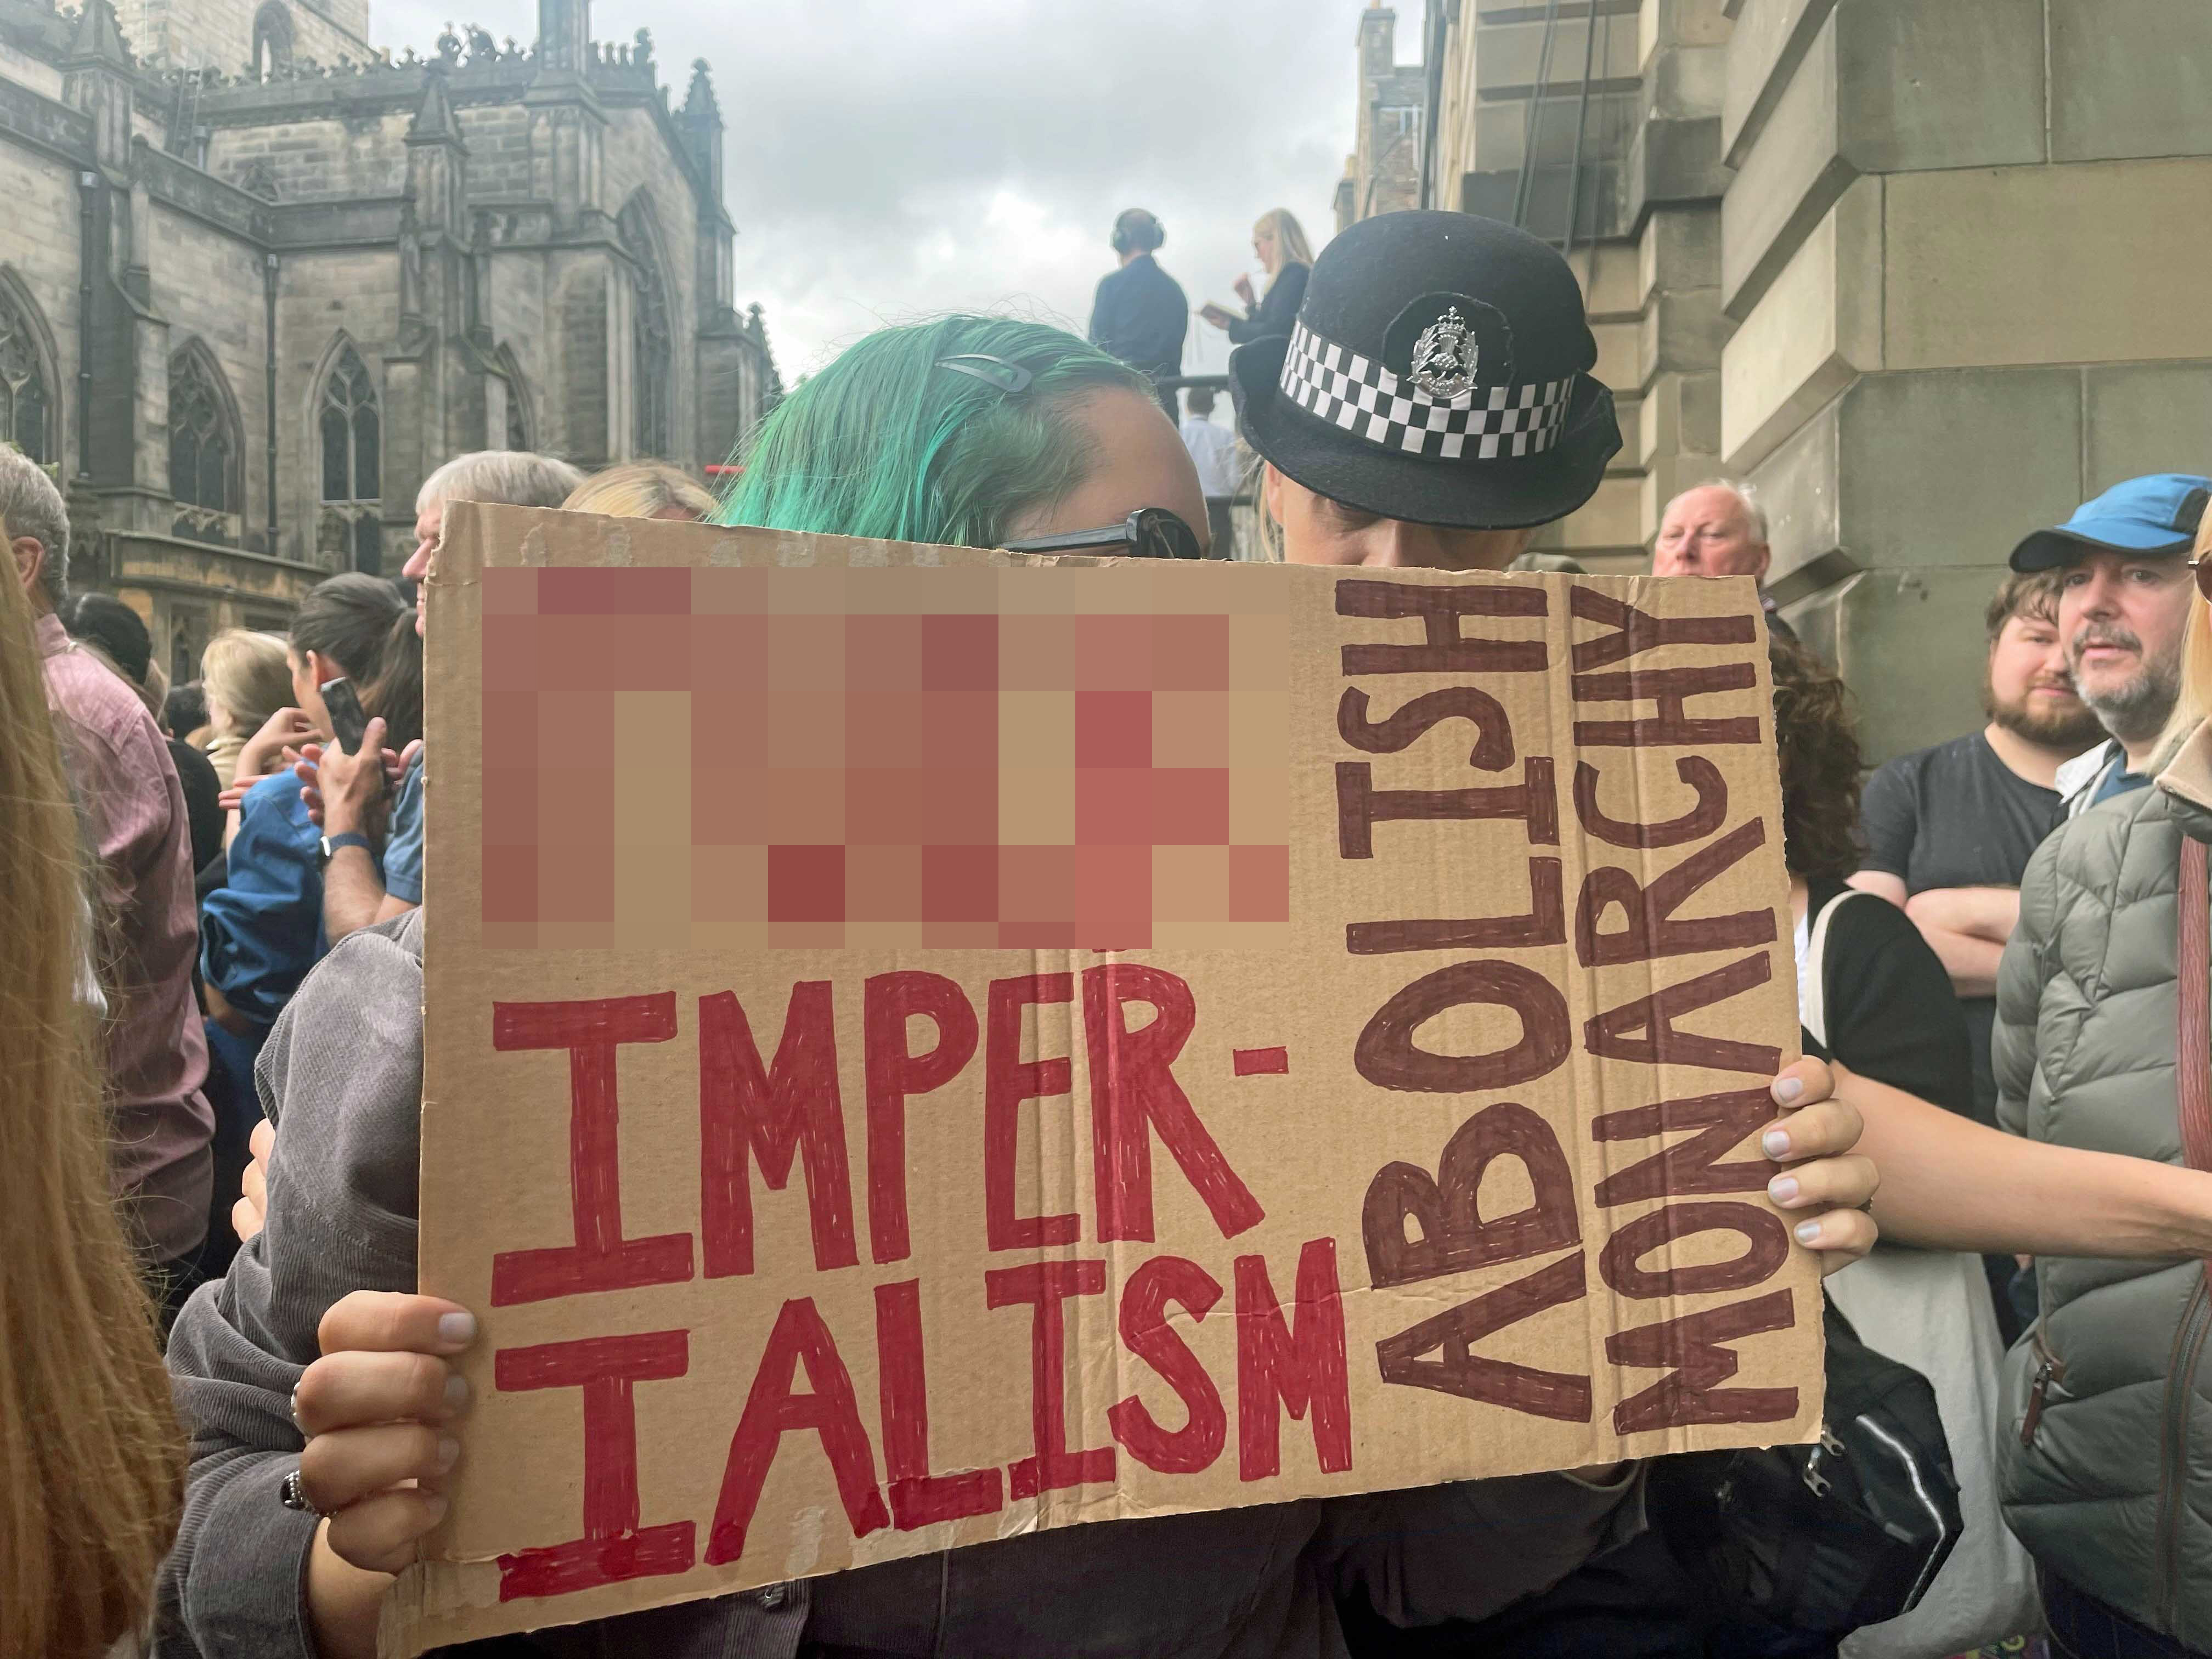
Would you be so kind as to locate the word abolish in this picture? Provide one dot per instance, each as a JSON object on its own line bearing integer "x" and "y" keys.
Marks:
{"x": 771, "y": 1117}
{"x": 1417, "y": 1225}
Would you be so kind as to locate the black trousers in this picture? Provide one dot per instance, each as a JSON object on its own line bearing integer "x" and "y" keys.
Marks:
{"x": 2082, "y": 1627}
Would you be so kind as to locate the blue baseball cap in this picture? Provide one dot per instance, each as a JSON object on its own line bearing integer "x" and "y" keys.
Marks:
{"x": 2157, "y": 514}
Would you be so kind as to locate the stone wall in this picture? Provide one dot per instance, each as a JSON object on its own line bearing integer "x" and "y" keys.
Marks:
{"x": 1965, "y": 253}
{"x": 41, "y": 266}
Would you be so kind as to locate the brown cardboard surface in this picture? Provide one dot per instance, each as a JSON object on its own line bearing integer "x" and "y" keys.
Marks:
{"x": 926, "y": 1045}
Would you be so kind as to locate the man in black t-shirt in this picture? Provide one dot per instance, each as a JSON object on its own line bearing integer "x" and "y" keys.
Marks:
{"x": 1950, "y": 829}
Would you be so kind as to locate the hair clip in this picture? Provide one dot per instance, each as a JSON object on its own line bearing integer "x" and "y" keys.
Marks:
{"x": 1008, "y": 378}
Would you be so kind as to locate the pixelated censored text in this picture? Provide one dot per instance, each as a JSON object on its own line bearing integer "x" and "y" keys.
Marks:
{"x": 933, "y": 759}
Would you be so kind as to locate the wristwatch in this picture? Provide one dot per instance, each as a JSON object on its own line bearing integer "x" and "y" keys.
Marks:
{"x": 344, "y": 838}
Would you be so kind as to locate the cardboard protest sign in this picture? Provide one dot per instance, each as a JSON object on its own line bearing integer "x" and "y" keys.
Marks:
{"x": 926, "y": 1045}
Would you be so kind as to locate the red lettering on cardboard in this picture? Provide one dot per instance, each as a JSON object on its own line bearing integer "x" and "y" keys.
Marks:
{"x": 1360, "y": 806}
{"x": 614, "y": 1548}
{"x": 1671, "y": 689}
{"x": 1709, "y": 812}
{"x": 1461, "y": 1370}
{"x": 1493, "y": 731}
{"x": 1636, "y": 631}
{"x": 1300, "y": 1367}
{"x": 601, "y": 1259}
{"x": 1388, "y": 1057}
{"x": 1045, "y": 1286}
{"x": 918, "y": 1498}
{"x": 1650, "y": 928}
{"x": 1455, "y": 1237}
{"x": 1146, "y": 1334}
{"x": 1766, "y": 1247}
{"x": 1614, "y": 1034}
{"x": 1545, "y": 923}
{"x": 1446, "y": 649}
{"x": 773, "y": 1410}
{"x": 1692, "y": 1165}
{"x": 747, "y": 1110}
{"x": 1691, "y": 1345}
{"x": 1133, "y": 1091}
{"x": 894, "y": 1073}
{"x": 1008, "y": 1082}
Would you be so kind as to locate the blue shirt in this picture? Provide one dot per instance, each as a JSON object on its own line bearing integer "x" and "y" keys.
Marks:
{"x": 2117, "y": 780}
{"x": 263, "y": 928}
{"x": 403, "y": 849}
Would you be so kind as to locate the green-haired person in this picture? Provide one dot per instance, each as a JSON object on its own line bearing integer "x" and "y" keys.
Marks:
{"x": 976, "y": 432}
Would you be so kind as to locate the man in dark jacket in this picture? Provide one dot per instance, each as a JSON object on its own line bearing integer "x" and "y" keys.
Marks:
{"x": 1140, "y": 314}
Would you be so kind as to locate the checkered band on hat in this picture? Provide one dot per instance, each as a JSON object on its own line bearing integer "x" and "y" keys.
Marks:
{"x": 1359, "y": 394}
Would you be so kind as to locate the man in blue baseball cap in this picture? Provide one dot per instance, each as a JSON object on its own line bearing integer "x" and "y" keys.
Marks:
{"x": 2123, "y": 615}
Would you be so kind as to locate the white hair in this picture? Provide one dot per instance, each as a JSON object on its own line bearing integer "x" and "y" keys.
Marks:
{"x": 505, "y": 477}
{"x": 31, "y": 505}
{"x": 1743, "y": 492}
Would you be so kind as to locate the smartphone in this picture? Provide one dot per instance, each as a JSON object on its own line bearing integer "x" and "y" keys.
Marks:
{"x": 348, "y": 722}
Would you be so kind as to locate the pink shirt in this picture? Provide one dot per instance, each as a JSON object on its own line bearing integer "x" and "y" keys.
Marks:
{"x": 134, "y": 811}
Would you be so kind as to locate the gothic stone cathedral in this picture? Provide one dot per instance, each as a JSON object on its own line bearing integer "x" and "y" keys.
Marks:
{"x": 257, "y": 281}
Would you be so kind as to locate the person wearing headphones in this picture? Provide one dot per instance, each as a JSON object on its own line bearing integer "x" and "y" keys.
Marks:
{"x": 1140, "y": 314}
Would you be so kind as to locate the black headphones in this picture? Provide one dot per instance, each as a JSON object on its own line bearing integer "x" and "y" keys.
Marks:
{"x": 1137, "y": 231}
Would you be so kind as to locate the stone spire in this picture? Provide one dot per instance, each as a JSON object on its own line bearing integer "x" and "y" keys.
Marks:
{"x": 434, "y": 122}
{"x": 701, "y": 124}
{"x": 97, "y": 78}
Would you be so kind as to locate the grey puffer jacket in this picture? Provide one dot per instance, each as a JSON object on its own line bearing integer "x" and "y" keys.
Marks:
{"x": 2108, "y": 1456}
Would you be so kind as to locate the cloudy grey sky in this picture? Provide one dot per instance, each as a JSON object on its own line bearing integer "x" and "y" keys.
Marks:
{"x": 892, "y": 158}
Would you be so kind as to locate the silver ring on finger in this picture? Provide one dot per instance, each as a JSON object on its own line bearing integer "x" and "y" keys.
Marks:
{"x": 292, "y": 1493}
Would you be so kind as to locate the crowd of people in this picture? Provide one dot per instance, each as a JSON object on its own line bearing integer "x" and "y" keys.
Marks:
{"x": 218, "y": 891}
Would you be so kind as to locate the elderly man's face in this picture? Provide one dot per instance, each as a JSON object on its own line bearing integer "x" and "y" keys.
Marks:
{"x": 429, "y": 526}
{"x": 1708, "y": 533}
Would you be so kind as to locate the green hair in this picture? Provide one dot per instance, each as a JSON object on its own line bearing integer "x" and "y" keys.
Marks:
{"x": 886, "y": 443}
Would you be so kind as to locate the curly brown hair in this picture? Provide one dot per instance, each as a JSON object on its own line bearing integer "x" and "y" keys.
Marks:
{"x": 1816, "y": 736}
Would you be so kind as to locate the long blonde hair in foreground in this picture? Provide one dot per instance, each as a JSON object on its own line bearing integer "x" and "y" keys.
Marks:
{"x": 91, "y": 1458}
{"x": 2195, "y": 704}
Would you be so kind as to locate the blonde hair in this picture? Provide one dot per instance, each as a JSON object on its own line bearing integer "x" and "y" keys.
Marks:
{"x": 92, "y": 1461}
{"x": 247, "y": 674}
{"x": 1292, "y": 247}
{"x": 640, "y": 489}
{"x": 2195, "y": 706}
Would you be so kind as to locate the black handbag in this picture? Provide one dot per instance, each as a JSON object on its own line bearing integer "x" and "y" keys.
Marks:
{"x": 1819, "y": 1540}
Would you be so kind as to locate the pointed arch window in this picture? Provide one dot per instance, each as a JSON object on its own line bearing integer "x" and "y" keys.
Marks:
{"x": 272, "y": 41}
{"x": 26, "y": 405}
{"x": 204, "y": 442}
{"x": 352, "y": 433}
{"x": 652, "y": 349}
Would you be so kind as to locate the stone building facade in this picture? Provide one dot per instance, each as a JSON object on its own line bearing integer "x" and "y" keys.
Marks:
{"x": 257, "y": 281}
{"x": 1926, "y": 275}
{"x": 1383, "y": 175}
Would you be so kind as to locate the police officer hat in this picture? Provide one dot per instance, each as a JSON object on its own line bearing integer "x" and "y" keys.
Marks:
{"x": 1438, "y": 373}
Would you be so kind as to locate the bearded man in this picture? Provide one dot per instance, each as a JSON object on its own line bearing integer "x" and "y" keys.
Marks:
{"x": 1950, "y": 829}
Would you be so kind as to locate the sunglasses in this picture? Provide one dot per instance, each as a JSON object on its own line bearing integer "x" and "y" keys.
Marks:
{"x": 2202, "y": 569}
{"x": 1150, "y": 532}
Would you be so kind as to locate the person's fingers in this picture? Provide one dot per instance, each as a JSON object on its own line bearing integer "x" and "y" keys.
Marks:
{"x": 1841, "y": 1236}
{"x": 348, "y": 1390}
{"x": 382, "y": 1533}
{"x": 343, "y": 1468}
{"x": 392, "y": 1322}
{"x": 262, "y": 1141}
{"x": 1844, "y": 1183}
{"x": 254, "y": 1187}
{"x": 244, "y": 1220}
{"x": 1805, "y": 1084}
{"x": 407, "y": 754}
{"x": 1820, "y": 1131}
